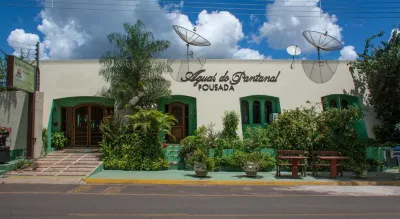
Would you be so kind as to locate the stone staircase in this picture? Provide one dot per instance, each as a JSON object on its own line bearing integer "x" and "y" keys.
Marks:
{"x": 69, "y": 162}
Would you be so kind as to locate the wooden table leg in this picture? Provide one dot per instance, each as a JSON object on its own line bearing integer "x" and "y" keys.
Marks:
{"x": 295, "y": 168}
{"x": 333, "y": 168}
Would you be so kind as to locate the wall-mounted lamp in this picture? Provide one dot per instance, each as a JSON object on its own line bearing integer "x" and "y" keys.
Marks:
{"x": 55, "y": 122}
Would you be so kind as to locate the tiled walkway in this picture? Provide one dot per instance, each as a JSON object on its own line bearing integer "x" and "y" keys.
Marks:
{"x": 63, "y": 163}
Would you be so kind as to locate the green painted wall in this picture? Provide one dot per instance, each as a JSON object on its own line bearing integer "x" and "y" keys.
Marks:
{"x": 352, "y": 100}
{"x": 191, "y": 101}
{"x": 16, "y": 153}
{"x": 276, "y": 108}
{"x": 55, "y": 112}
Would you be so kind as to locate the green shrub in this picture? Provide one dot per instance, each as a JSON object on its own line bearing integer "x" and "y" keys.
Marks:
{"x": 200, "y": 156}
{"x": 230, "y": 123}
{"x": 294, "y": 130}
{"x": 256, "y": 138}
{"x": 204, "y": 138}
{"x": 58, "y": 140}
{"x": 44, "y": 142}
{"x": 239, "y": 159}
{"x": 134, "y": 146}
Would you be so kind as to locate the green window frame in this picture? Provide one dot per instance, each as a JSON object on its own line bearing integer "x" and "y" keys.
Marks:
{"x": 343, "y": 101}
{"x": 255, "y": 110}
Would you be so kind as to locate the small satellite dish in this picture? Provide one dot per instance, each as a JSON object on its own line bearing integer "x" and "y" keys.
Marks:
{"x": 321, "y": 71}
{"x": 190, "y": 38}
{"x": 293, "y": 51}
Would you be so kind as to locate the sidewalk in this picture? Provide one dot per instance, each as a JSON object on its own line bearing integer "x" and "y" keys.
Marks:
{"x": 179, "y": 177}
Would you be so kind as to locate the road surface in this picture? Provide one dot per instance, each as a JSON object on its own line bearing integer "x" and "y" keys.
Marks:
{"x": 31, "y": 201}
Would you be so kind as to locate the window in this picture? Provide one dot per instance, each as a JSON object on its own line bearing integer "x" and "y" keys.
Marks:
{"x": 268, "y": 111}
{"x": 333, "y": 104}
{"x": 256, "y": 112}
{"x": 340, "y": 101}
{"x": 244, "y": 105}
{"x": 344, "y": 104}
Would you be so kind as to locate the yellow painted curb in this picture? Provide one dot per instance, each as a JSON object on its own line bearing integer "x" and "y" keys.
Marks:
{"x": 239, "y": 183}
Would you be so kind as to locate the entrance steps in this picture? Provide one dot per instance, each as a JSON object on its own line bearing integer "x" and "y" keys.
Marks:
{"x": 73, "y": 162}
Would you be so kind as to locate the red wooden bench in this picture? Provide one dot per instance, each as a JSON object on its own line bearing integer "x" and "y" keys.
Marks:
{"x": 291, "y": 155}
{"x": 315, "y": 165}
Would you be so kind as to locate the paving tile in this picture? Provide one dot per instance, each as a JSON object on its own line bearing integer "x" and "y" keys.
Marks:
{"x": 87, "y": 162}
{"x": 25, "y": 173}
{"x": 84, "y": 166}
{"x": 51, "y": 158}
{"x": 89, "y": 159}
{"x": 73, "y": 174}
{"x": 74, "y": 169}
{"x": 53, "y": 170}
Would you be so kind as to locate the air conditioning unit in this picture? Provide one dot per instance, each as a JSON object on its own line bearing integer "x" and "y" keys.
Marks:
{"x": 273, "y": 116}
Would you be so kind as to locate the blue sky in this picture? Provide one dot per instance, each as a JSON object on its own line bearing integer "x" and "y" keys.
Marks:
{"x": 353, "y": 31}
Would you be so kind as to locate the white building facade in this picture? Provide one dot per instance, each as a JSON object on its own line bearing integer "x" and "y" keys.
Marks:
{"x": 256, "y": 89}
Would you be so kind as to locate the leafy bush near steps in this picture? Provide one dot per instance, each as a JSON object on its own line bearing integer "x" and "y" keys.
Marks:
{"x": 126, "y": 147}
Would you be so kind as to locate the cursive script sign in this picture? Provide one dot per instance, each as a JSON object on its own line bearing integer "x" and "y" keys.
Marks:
{"x": 226, "y": 83}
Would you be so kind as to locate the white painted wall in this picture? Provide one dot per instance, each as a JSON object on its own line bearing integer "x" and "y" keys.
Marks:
{"x": 14, "y": 114}
{"x": 80, "y": 78}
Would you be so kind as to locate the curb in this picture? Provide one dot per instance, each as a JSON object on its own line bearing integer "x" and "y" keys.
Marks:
{"x": 239, "y": 183}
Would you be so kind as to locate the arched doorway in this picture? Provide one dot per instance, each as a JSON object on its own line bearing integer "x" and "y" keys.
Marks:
{"x": 86, "y": 122}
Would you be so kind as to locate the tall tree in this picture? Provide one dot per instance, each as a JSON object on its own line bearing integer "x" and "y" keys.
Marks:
{"x": 131, "y": 69}
{"x": 376, "y": 74}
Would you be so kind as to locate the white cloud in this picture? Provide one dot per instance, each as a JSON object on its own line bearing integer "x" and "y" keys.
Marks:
{"x": 285, "y": 24}
{"x": 25, "y": 43}
{"x": 348, "y": 53}
{"x": 249, "y": 54}
{"x": 77, "y": 34}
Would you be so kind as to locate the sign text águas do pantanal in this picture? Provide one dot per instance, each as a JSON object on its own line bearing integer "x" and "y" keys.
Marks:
{"x": 224, "y": 82}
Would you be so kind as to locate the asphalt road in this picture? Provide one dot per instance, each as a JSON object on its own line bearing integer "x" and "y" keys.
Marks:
{"x": 158, "y": 201}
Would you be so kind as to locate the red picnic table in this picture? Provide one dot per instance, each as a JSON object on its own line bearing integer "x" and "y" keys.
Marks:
{"x": 333, "y": 163}
{"x": 295, "y": 163}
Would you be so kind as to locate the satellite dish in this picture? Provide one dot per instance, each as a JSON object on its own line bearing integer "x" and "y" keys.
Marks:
{"x": 196, "y": 64}
{"x": 322, "y": 41}
{"x": 321, "y": 71}
{"x": 293, "y": 51}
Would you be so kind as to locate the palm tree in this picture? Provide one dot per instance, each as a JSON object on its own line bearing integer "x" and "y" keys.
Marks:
{"x": 153, "y": 121}
{"x": 131, "y": 69}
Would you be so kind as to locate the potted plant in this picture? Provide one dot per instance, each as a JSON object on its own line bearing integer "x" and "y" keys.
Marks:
{"x": 200, "y": 163}
{"x": 58, "y": 140}
{"x": 361, "y": 170}
{"x": 4, "y": 150}
{"x": 251, "y": 169}
{"x": 252, "y": 165}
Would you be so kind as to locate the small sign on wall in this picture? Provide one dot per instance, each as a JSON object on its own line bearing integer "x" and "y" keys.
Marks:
{"x": 20, "y": 74}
